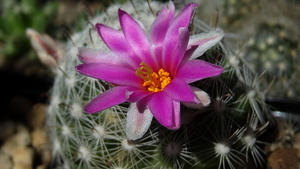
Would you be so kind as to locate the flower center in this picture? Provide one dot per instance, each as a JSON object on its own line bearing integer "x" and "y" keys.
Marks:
{"x": 154, "y": 82}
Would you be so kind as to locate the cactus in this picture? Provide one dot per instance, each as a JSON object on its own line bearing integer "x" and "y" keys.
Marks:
{"x": 271, "y": 32}
{"x": 274, "y": 51}
{"x": 224, "y": 133}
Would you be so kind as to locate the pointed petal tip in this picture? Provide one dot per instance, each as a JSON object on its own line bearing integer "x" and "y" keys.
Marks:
{"x": 202, "y": 96}
{"x": 78, "y": 67}
{"x": 79, "y": 54}
{"x": 218, "y": 71}
{"x": 204, "y": 41}
{"x": 174, "y": 127}
{"x": 88, "y": 110}
{"x": 194, "y": 4}
{"x": 191, "y": 5}
{"x": 220, "y": 32}
{"x": 137, "y": 123}
{"x": 98, "y": 28}
{"x": 98, "y": 25}
{"x": 121, "y": 13}
{"x": 107, "y": 99}
{"x": 171, "y": 5}
{"x": 101, "y": 27}
{"x": 120, "y": 10}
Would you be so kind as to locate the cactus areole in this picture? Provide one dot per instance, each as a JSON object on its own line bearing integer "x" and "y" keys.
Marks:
{"x": 150, "y": 69}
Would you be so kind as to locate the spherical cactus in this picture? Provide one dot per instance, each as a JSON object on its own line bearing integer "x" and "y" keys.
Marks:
{"x": 270, "y": 38}
{"x": 214, "y": 123}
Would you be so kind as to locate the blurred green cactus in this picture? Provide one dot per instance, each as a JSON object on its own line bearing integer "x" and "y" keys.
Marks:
{"x": 269, "y": 39}
{"x": 15, "y": 17}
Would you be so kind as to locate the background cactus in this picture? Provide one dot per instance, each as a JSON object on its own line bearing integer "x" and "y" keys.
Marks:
{"x": 269, "y": 35}
{"x": 223, "y": 134}
{"x": 18, "y": 16}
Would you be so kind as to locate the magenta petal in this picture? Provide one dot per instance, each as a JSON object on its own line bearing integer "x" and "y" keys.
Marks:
{"x": 160, "y": 25}
{"x": 179, "y": 90}
{"x": 117, "y": 43}
{"x": 177, "y": 120}
{"x": 159, "y": 29}
{"x": 137, "y": 123}
{"x": 136, "y": 37}
{"x": 107, "y": 99}
{"x": 114, "y": 39}
{"x": 194, "y": 70}
{"x": 138, "y": 94}
{"x": 188, "y": 53}
{"x": 88, "y": 55}
{"x": 161, "y": 106}
{"x": 181, "y": 20}
{"x": 111, "y": 73}
{"x": 142, "y": 104}
{"x": 179, "y": 52}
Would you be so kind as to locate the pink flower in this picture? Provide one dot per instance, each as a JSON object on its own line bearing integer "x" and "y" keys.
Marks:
{"x": 150, "y": 71}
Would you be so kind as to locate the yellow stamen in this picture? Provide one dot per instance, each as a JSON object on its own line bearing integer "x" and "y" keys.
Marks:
{"x": 154, "y": 82}
{"x": 144, "y": 71}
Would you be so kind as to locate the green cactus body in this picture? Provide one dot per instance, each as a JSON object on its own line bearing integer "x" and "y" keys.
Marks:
{"x": 270, "y": 31}
{"x": 274, "y": 51}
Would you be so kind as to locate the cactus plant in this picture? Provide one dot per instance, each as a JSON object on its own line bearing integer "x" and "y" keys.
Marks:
{"x": 222, "y": 133}
{"x": 271, "y": 32}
